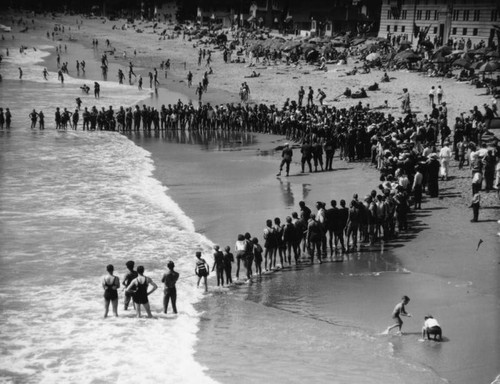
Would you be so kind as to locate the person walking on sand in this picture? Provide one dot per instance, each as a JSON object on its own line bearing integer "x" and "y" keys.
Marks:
{"x": 202, "y": 270}
{"x": 140, "y": 288}
{"x": 432, "y": 94}
{"x": 219, "y": 265}
{"x": 97, "y": 90}
{"x": 301, "y": 95}
{"x": 129, "y": 277}
{"x": 399, "y": 310}
{"x": 405, "y": 101}
{"x": 431, "y": 327}
{"x": 170, "y": 292}
{"x": 439, "y": 94}
{"x": 110, "y": 284}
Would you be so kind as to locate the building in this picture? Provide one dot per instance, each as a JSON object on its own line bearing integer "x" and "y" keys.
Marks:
{"x": 266, "y": 13}
{"x": 325, "y": 18}
{"x": 444, "y": 19}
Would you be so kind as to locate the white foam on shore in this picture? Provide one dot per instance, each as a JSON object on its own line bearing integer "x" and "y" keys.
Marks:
{"x": 85, "y": 200}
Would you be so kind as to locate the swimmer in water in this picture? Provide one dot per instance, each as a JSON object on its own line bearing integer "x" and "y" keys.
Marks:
{"x": 170, "y": 293}
{"x": 399, "y": 310}
{"x": 202, "y": 270}
{"x": 140, "y": 288}
{"x": 110, "y": 284}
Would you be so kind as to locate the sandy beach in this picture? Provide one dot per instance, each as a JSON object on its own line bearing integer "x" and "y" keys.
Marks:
{"x": 226, "y": 184}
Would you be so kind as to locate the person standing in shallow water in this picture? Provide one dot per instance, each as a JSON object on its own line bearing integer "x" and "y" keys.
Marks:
{"x": 399, "y": 310}
{"x": 218, "y": 265}
{"x": 129, "y": 277}
{"x": 202, "y": 270}
{"x": 228, "y": 260}
{"x": 140, "y": 288}
{"x": 170, "y": 293}
{"x": 110, "y": 284}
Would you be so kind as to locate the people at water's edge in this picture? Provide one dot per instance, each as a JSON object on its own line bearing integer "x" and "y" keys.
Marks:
{"x": 139, "y": 287}
{"x": 170, "y": 292}
{"x": 110, "y": 284}
{"x": 399, "y": 310}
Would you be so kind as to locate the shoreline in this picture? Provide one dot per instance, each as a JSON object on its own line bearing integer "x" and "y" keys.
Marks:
{"x": 481, "y": 272}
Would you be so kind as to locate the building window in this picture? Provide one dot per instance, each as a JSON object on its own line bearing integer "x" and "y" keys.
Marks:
{"x": 395, "y": 28}
{"x": 388, "y": 28}
{"x": 456, "y": 14}
{"x": 404, "y": 13}
{"x": 419, "y": 15}
{"x": 494, "y": 15}
{"x": 477, "y": 13}
{"x": 436, "y": 15}
{"x": 435, "y": 30}
{"x": 427, "y": 15}
{"x": 403, "y": 28}
{"x": 454, "y": 31}
{"x": 464, "y": 31}
{"x": 474, "y": 32}
{"x": 466, "y": 15}
{"x": 389, "y": 15}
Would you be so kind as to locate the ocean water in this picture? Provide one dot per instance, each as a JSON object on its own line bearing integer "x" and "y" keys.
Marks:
{"x": 71, "y": 203}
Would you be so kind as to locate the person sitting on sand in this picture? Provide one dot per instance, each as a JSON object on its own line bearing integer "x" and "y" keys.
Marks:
{"x": 431, "y": 327}
{"x": 348, "y": 92}
{"x": 353, "y": 72}
{"x": 252, "y": 75}
{"x": 360, "y": 94}
{"x": 385, "y": 78}
{"x": 85, "y": 88}
{"x": 373, "y": 87}
{"x": 399, "y": 310}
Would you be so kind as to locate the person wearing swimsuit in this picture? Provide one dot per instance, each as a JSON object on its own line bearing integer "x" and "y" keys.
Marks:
{"x": 399, "y": 310}
{"x": 139, "y": 287}
{"x": 110, "y": 284}
{"x": 202, "y": 270}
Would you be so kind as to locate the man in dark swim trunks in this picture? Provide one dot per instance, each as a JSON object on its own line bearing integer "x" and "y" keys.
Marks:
{"x": 170, "y": 293}
{"x": 286, "y": 156}
{"x": 219, "y": 265}
{"x": 129, "y": 277}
